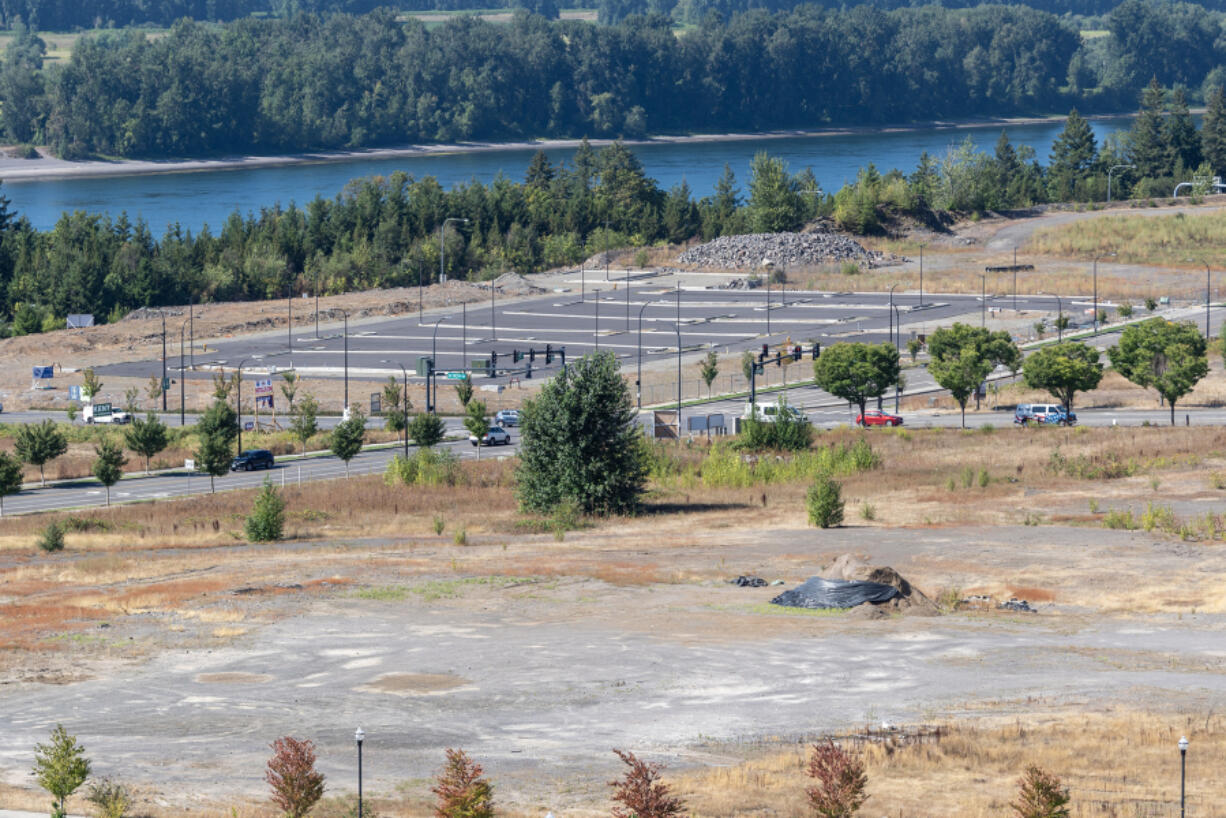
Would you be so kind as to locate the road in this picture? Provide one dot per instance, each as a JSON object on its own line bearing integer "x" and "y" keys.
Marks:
{"x": 86, "y": 493}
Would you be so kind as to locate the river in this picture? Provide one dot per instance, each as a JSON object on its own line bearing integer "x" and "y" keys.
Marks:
{"x": 194, "y": 199}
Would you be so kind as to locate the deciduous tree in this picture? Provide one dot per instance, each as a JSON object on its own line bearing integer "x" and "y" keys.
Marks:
{"x": 303, "y": 423}
{"x": 10, "y": 477}
{"x": 963, "y": 356}
{"x": 709, "y": 369}
{"x": 39, "y": 443}
{"x": 296, "y": 785}
{"x": 857, "y": 372}
{"x": 427, "y": 429}
{"x": 348, "y": 437}
{"x": 1165, "y": 355}
{"x": 1063, "y": 370}
{"x": 108, "y": 467}
{"x": 461, "y": 790}
{"x": 147, "y": 437}
{"x": 641, "y": 793}
{"x": 60, "y": 767}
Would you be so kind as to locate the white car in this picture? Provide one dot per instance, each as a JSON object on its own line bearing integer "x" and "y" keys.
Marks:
{"x": 494, "y": 436}
{"x": 102, "y": 413}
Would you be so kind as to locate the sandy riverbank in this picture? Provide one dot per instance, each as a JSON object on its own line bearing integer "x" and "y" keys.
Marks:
{"x": 48, "y": 167}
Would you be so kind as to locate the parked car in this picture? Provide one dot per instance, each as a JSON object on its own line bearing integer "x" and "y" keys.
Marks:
{"x": 252, "y": 459}
{"x": 875, "y": 417}
{"x": 494, "y": 436}
{"x": 1027, "y": 413}
{"x": 507, "y": 417}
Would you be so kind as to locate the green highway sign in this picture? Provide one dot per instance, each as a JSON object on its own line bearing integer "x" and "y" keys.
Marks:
{"x": 456, "y": 376}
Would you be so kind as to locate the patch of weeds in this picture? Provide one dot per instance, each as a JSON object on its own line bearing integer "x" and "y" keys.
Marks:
{"x": 968, "y": 477}
{"x": 439, "y": 523}
{"x": 1159, "y": 517}
{"x": 450, "y": 588}
{"x": 1109, "y": 466}
{"x": 1121, "y": 520}
{"x": 948, "y": 598}
{"x": 310, "y": 515}
{"x": 1217, "y": 480}
{"x": 868, "y": 511}
{"x": 1154, "y": 483}
{"x": 984, "y": 478}
{"x": 987, "y": 429}
{"x": 383, "y": 593}
{"x": 81, "y": 524}
{"x": 1032, "y": 518}
{"x": 461, "y": 536}
{"x": 1093, "y": 505}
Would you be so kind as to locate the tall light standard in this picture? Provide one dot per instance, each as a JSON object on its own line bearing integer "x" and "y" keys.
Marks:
{"x": 164, "y": 384}
{"x": 638, "y": 383}
{"x": 1183, "y": 768}
{"x": 1112, "y": 170}
{"x": 182, "y": 388}
{"x": 345, "y": 408}
{"x": 359, "y": 737}
{"x": 442, "y": 248}
{"x": 430, "y": 396}
{"x": 405, "y": 373}
{"x": 238, "y": 402}
{"x": 677, "y": 327}
{"x": 983, "y": 301}
{"x": 289, "y": 331}
{"x": 1059, "y": 317}
{"x": 315, "y": 289}
{"x": 922, "y": 246}
{"x": 766, "y": 266}
{"x": 897, "y": 344}
{"x": 1096, "y": 258}
{"x": 891, "y": 312}
{"x": 1207, "y": 297}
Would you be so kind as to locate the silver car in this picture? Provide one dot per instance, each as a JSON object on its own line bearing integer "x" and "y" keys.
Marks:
{"x": 494, "y": 436}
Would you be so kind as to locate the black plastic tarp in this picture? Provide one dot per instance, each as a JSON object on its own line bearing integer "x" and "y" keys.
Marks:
{"x": 817, "y": 592}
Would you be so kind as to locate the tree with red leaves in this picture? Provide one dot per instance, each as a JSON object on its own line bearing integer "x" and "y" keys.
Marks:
{"x": 296, "y": 786}
{"x": 642, "y": 793}
{"x": 840, "y": 782}
{"x": 461, "y": 791}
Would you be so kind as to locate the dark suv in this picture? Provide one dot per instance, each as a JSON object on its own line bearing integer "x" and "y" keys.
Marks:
{"x": 252, "y": 459}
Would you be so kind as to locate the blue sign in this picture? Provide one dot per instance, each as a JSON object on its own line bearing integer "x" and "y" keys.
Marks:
{"x": 44, "y": 371}
{"x": 74, "y": 393}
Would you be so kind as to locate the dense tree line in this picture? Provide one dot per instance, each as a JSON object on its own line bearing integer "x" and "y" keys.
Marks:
{"x": 383, "y": 232}
{"x": 340, "y": 81}
{"x": 378, "y": 232}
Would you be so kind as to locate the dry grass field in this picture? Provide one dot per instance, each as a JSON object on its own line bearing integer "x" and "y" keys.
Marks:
{"x": 178, "y": 575}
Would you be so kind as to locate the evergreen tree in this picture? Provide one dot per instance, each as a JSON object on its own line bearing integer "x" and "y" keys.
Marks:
{"x": 267, "y": 520}
{"x": 580, "y": 442}
{"x": 1147, "y": 137}
{"x": 1182, "y": 140}
{"x": 1213, "y": 131}
{"x": 774, "y": 202}
{"x": 1072, "y": 157}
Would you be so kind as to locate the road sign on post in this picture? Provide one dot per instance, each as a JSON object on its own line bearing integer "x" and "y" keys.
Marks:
{"x": 376, "y": 403}
{"x": 456, "y": 376}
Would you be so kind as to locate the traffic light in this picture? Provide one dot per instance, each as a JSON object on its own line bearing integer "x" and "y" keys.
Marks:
{"x": 562, "y": 356}
{"x": 779, "y": 359}
{"x": 515, "y": 356}
{"x": 766, "y": 350}
{"x": 817, "y": 350}
{"x": 548, "y": 353}
{"x": 796, "y": 353}
{"x": 493, "y": 359}
{"x": 532, "y": 354}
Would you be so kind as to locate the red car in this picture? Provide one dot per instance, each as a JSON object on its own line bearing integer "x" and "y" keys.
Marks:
{"x": 875, "y": 417}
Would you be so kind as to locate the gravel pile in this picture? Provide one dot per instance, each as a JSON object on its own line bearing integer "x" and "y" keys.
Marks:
{"x": 787, "y": 249}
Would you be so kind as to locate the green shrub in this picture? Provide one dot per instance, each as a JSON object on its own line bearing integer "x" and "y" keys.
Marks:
{"x": 111, "y": 799}
{"x": 1120, "y": 520}
{"x": 868, "y": 511}
{"x": 267, "y": 520}
{"x": 1159, "y": 517}
{"x": 984, "y": 478}
{"x": 825, "y": 502}
{"x": 425, "y": 467}
{"x": 440, "y": 523}
{"x": 460, "y": 537}
{"x": 52, "y": 538}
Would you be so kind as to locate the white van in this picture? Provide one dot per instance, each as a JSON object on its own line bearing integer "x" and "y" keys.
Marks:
{"x": 103, "y": 413}
{"x": 771, "y": 412}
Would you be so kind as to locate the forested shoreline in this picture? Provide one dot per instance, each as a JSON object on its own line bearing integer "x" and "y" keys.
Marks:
{"x": 341, "y": 81}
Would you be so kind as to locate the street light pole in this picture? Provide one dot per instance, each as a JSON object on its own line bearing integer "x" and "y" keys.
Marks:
{"x": 1113, "y": 169}
{"x": 891, "y": 312}
{"x": 983, "y": 301}
{"x": 164, "y": 384}
{"x": 238, "y": 402}
{"x": 638, "y": 383}
{"x": 1183, "y": 769}
{"x": 596, "y": 332}
{"x": 359, "y": 737}
{"x": 464, "y": 336}
{"x": 430, "y": 396}
{"x": 405, "y": 373}
{"x": 442, "y": 248}
{"x": 1207, "y": 297}
{"x": 289, "y": 330}
{"x": 922, "y": 274}
{"x": 182, "y": 387}
{"x": 677, "y": 327}
{"x": 1096, "y": 258}
{"x": 315, "y": 289}
{"x": 897, "y": 344}
{"x": 345, "y": 408}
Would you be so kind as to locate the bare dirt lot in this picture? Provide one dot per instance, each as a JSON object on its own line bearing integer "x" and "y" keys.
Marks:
{"x": 177, "y": 654}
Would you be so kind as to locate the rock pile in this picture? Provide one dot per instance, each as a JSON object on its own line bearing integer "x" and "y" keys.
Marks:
{"x": 782, "y": 249}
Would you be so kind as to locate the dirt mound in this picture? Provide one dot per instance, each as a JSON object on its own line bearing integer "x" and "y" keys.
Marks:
{"x": 515, "y": 284}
